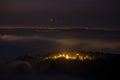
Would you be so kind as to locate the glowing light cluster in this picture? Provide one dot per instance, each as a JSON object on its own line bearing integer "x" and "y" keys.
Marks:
{"x": 71, "y": 56}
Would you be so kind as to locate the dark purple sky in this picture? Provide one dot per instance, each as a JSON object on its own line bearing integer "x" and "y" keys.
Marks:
{"x": 102, "y": 13}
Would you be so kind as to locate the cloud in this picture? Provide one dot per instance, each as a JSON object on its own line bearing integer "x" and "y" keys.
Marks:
{"x": 16, "y": 37}
{"x": 90, "y": 44}
{"x": 68, "y": 42}
{"x": 99, "y": 44}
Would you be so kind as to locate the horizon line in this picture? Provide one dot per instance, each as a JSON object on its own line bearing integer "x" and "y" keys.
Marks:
{"x": 58, "y": 27}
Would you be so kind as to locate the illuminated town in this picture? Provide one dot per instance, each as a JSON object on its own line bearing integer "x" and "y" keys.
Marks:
{"x": 71, "y": 56}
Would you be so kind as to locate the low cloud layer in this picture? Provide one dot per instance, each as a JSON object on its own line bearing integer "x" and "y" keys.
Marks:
{"x": 65, "y": 42}
{"x": 17, "y": 38}
{"x": 13, "y": 43}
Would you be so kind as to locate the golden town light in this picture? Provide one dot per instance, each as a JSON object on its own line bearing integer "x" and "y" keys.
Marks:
{"x": 71, "y": 56}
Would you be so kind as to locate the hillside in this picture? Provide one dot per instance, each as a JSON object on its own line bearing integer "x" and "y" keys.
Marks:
{"x": 78, "y": 65}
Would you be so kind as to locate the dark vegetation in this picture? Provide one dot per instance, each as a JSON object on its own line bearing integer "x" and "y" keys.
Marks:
{"x": 104, "y": 68}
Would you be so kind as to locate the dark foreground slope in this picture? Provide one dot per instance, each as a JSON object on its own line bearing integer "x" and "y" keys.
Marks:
{"x": 29, "y": 68}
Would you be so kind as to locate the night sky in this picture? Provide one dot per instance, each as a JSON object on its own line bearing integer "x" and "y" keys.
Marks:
{"x": 98, "y": 13}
